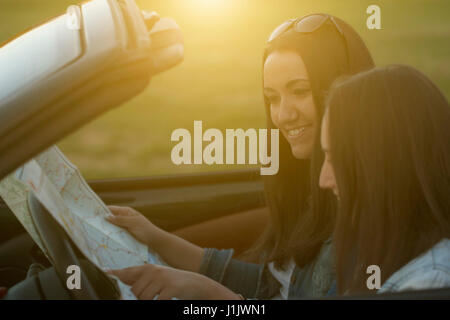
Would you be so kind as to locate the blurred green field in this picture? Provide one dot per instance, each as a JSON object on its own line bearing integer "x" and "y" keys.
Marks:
{"x": 219, "y": 81}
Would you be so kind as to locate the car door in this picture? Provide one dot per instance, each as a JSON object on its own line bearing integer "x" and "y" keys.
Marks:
{"x": 177, "y": 201}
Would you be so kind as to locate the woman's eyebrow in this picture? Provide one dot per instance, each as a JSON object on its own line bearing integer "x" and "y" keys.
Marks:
{"x": 290, "y": 83}
{"x": 296, "y": 81}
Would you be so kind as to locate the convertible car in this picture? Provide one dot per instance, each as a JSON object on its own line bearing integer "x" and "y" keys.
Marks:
{"x": 90, "y": 59}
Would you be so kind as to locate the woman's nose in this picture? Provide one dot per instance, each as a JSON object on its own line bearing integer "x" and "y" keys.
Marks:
{"x": 288, "y": 112}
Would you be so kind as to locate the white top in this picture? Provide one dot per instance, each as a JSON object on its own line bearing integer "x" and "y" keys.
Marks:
{"x": 283, "y": 277}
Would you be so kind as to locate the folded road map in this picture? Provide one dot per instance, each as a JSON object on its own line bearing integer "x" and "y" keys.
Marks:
{"x": 61, "y": 189}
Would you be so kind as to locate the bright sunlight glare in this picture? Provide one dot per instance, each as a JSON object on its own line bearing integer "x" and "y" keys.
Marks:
{"x": 208, "y": 6}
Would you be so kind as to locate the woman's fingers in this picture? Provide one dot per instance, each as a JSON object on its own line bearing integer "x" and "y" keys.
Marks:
{"x": 143, "y": 284}
{"x": 121, "y": 211}
{"x": 146, "y": 286}
{"x": 146, "y": 280}
{"x": 128, "y": 275}
{"x": 150, "y": 291}
{"x": 166, "y": 294}
{"x": 116, "y": 220}
{"x": 122, "y": 221}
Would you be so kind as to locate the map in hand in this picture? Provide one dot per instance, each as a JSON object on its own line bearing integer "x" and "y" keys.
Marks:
{"x": 61, "y": 189}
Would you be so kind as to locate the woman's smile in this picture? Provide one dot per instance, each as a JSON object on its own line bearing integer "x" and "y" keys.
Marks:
{"x": 297, "y": 132}
{"x": 288, "y": 90}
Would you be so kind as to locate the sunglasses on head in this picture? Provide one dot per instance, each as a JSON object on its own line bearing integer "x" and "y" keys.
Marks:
{"x": 306, "y": 25}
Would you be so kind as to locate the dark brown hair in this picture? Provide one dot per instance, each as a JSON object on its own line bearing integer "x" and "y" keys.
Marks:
{"x": 390, "y": 149}
{"x": 301, "y": 215}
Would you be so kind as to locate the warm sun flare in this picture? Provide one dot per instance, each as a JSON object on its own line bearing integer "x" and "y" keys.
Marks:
{"x": 209, "y": 4}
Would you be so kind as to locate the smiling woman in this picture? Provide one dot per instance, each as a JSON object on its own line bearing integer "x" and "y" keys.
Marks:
{"x": 292, "y": 109}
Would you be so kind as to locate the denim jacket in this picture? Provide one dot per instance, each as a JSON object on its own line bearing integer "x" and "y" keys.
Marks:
{"x": 255, "y": 281}
{"x": 429, "y": 270}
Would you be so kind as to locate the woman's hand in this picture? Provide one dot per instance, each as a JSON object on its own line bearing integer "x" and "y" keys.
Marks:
{"x": 148, "y": 281}
{"x": 174, "y": 250}
{"x": 138, "y": 225}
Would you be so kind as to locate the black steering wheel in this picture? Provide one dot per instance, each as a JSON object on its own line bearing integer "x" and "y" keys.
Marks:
{"x": 62, "y": 253}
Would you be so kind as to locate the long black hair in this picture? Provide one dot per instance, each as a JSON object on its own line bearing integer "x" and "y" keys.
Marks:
{"x": 301, "y": 215}
{"x": 390, "y": 149}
